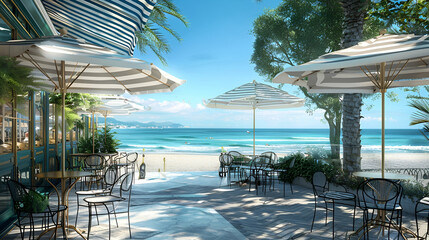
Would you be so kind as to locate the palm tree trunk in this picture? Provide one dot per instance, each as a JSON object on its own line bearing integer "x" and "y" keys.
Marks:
{"x": 354, "y": 13}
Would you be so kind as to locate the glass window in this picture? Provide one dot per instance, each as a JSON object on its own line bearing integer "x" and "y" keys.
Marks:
{"x": 23, "y": 124}
{"x": 39, "y": 120}
{"x": 51, "y": 124}
{"x": 5, "y": 128}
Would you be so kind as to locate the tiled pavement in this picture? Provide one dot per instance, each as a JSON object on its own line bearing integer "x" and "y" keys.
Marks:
{"x": 199, "y": 205}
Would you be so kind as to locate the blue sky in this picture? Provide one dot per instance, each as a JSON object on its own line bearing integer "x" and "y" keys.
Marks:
{"x": 214, "y": 57}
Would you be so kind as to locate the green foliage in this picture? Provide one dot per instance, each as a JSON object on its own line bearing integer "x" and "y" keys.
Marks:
{"x": 35, "y": 202}
{"x": 405, "y": 16}
{"x": 14, "y": 79}
{"x": 85, "y": 145}
{"x": 305, "y": 166}
{"x": 104, "y": 142}
{"x": 415, "y": 190}
{"x": 421, "y": 103}
{"x": 296, "y": 32}
{"x": 73, "y": 102}
{"x": 108, "y": 142}
{"x": 152, "y": 36}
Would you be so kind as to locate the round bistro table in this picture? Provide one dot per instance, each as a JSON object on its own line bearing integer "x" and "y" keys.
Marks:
{"x": 63, "y": 197}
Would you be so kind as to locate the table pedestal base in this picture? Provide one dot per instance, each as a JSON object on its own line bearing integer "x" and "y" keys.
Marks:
{"x": 78, "y": 231}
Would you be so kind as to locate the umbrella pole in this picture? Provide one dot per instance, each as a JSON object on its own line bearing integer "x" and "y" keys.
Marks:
{"x": 63, "y": 116}
{"x": 254, "y": 131}
{"x": 93, "y": 130}
{"x": 383, "y": 92}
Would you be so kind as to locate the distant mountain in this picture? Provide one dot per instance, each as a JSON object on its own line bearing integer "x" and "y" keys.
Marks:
{"x": 135, "y": 124}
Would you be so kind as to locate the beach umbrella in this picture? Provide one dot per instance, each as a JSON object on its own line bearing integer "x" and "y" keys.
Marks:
{"x": 113, "y": 106}
{"x": 69, "y": 65}
{"x": 252, "y": 96}
{"x": 375, "y": 65}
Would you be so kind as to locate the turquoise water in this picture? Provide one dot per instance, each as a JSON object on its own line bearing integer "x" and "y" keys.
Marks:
{"x": 210, "y": 140}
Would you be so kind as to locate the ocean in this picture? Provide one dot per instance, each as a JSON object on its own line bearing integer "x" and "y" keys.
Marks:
{"x": 212, "y": 140}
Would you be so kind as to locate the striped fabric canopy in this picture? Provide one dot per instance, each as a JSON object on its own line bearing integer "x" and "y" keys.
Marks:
{"x": 255, "y": 95}
{"x": 252, "y": 96}
{"x": 357, "y": 69}
{"x": 88, "y": 68}
{"x": 107, "y": 23}
{"x": 118, "y": 105}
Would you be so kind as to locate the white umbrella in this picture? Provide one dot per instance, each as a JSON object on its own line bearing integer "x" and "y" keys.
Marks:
{"x": 71, "y": 65}
{"x": 113, "y": 105}
{"x": 374, "y": 65}
{"x": 252, "y": 96}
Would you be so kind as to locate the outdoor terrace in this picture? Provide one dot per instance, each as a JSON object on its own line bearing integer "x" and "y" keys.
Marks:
{"x": 200, "y": 205}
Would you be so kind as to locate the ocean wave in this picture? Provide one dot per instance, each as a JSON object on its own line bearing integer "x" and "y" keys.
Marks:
{"x": 248, "y": 148}
{"x": 396, "y": 148}
{"x": 292, "y": 139}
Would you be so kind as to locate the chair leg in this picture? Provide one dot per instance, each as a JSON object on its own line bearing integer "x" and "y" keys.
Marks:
{"x": 108, "y": 217}
{"x": 90, "y": 220}
{"x": 77, "y": 210}
{"x": 417, "y": 222}
{"x": 354, "y": 215}
{"x": 129, "y": 221}
{"x": 114, "y": 212}
{"x": 314, "y": 214}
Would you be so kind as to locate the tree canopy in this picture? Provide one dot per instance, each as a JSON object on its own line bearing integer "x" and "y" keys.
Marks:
{"x": 14, "y": 79}
{"x": 153, "y": 35}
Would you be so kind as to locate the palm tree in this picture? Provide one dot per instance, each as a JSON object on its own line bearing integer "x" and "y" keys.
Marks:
{"x": 152, "y": 36}
{"x": 354, "y": 14}
{"x": 15, "y": 80}
{"x": 421, "y": 104}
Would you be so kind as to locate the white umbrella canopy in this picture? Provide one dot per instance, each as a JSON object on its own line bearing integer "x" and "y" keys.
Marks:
{"x": 88, "y": 68}
{"x": 70, "y": 65}
{"x": 252, "y": 96}
{"x": 113, "y": 106}
{"x": 375, "y": 65}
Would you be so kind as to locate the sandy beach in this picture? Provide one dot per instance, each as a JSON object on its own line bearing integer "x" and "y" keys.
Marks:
{"x": 206, "y": 162}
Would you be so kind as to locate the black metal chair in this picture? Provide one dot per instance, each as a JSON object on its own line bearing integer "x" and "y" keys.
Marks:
{"x": 382, "y": 198}
{"x": 323, "y": 194}
{"x": 281, "y": 172}
{"x": 131, "y": 162}
{"x": 225, "y": 160}
{"x": 25, "y": 205}
{"x": 126, "y": 182}
{"x": 422, "y": 206}
{"x": 96, "y": 165}
{"x": 109, "y": 179}
{"x": 256, "y": 172}
{"x": 237, "y": 159}
{"x": 269, "y": 171}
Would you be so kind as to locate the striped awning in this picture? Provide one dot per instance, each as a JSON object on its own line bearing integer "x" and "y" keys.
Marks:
{"x": 357, "y": 69}
{"x": 88, "y": 68}
{"x": 255, "y": 95}
{"x": 115, "y": 105}
{"x": 107, "y": 23}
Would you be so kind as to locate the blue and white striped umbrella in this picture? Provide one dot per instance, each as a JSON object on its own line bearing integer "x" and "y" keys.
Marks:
{"x": 69, "y": 65}
{"x": 374, "y": 65}
{"x": 252, "y": 96}
{"x": 108, "y": 23}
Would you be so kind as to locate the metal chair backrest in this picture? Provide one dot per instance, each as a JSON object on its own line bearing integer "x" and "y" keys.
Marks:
{"x": 18, "y": 193}
{"x": 320, "y": 184}
{"x": 379, "y": 193}
{"x": 110, "y": 176}
{"x": 226, "y": 159}
{"x": 126, "y": 184}
{"x": 95, "y": 161}
{"x": 237, "y": 158}
{"x": 260, "y": 162}
{"x": 272, "y": 156}
{"x": 132, "y": 157}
